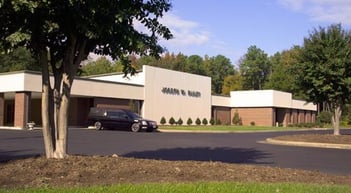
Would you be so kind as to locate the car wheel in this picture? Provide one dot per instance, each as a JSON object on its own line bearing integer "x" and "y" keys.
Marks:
{"x": 135, "y": 127}
{"x": 98, "y": 125}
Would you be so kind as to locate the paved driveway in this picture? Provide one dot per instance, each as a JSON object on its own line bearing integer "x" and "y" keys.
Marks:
{"x": 224, "y": 147}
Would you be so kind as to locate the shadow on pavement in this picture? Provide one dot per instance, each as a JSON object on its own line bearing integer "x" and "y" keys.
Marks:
{"x": 227, "y": 155}
{"x": 6, "y": 156}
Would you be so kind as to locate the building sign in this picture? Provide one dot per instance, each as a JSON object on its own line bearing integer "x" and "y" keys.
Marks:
{"x": 181, "y": 92}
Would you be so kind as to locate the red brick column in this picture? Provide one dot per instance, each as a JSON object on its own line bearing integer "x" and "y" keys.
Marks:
{"x": 2, "y": 109}
{"x": 287, "y": 117}
{"x": 22, "y": 109}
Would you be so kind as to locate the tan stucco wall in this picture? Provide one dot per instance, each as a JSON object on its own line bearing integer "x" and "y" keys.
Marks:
{"x": 158, "y": 104}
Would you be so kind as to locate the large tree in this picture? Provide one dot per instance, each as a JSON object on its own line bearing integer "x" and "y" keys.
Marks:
{"x": 232, "y": 83}
{"x": 17, "y": 59}
{"x": 325, "y": 70}
{"x": 218, "y": 67}
{"x": 254, "y": 68}
{"x": 61, "y": 33}
{"x": 101, "y": 66}
{"x": 282, "y": 75}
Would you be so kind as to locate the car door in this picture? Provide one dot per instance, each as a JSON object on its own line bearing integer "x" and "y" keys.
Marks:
{"x": 123, "y": 120}
{"x": 112, "y": 120}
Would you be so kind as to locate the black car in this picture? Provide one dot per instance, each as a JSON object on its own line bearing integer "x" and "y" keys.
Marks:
{"x": 103, "y": 118}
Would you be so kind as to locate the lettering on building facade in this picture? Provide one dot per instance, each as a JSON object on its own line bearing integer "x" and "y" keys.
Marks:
{"x": 181, "y": 92}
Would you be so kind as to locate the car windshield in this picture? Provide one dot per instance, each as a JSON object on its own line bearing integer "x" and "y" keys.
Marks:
{"x": 134, "y": 115}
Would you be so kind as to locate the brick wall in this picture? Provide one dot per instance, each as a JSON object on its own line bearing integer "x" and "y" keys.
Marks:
{"x": 223, "y": 114}
{"x": 78, "y": 111}
{"x": 301, "y": 114}
{"x": 308, "y": 117}
{"x": 294, "y": 116}
{"x": 22, "y": 109}
{"x": 112, "y": 103}
{"x": 261, "y": 116}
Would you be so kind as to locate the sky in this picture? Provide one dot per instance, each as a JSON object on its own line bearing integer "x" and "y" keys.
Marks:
{"x": 230, "y": 27}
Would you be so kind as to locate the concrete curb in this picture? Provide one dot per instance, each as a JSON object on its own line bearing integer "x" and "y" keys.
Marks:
{"x": 11, "y": 128}
{"x": 308, "y": 144}
{"x": 237, "y": 131}
{"x": 189, "y": 131}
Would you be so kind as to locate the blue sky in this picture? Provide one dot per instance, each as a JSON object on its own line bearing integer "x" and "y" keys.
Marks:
{"x": 229, "y": 27}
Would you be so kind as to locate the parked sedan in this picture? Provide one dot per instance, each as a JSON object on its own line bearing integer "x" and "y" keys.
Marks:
{"x": 103, "y": 118}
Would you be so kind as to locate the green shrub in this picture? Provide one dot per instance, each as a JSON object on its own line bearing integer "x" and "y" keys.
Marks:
{"x": 198, "y": 121}
{"x": 252, "y": 123}
{"x": 236, "y": 118}
{"x": 163, "y": 121}
{"x": 171, "y": 121}
{"x": 324, "y": 117}
{"x": 212, "y": 121}
{"x": 180, "y": 121}
{"x": 306, "y": 125}
{"x": 218, "y": 122}
{"x": 204, "y": 121}
{"x": 189, "y": 121}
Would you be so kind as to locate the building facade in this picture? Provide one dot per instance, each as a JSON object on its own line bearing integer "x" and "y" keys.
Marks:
{"x": 153, "y": 93}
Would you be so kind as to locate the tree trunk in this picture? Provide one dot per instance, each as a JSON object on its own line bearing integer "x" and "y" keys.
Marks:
{"x": 62, "y": 116}
{"x": 55, "y": 101}
{"x": 336, "y": 119}
{"x": 45, "y": 104}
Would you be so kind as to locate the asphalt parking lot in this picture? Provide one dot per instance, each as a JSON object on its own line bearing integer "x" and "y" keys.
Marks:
{"x": 224, "y": 147}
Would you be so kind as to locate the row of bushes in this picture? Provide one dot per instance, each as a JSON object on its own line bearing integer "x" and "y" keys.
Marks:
{"x": 323, "y": 119}
{"x": 307, "y": 125}
{"x": 204, "y": 121}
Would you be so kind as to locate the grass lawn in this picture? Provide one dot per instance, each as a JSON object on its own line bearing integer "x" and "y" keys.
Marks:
{"x": 205, "y": 187}
{"x": 226, "y": 128}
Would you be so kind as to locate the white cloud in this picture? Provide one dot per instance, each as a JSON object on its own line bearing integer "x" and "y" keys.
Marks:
{"x": 185, "y": 32}
{"x": 295, "y": 5}
{"x": 334, "y": 11}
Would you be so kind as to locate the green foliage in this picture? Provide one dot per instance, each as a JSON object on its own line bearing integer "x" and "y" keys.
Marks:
{"x": 198, "y": 121}
{"x": 101, "y": 66}
{"x": 189, "y": 121}
{"x": 324, "y": 73}
{"x": 218, "y": 68}
{"x": 232, "y": 83}
{"x": 204, "y": 121}
{"x": 171, "y": 121}
{"x": 346, "y": 115}
{"x": 283, "y": 76}
{"x": 307, "y": 125}
{"x": 180, "y": 121}
{"x": 163, "y": 121}
{"x": 254, "y": 68}
{"x": 236, "y": 118}
{"x": 18, "y": 59}
{"x": 197, "y": 187}
{"x": 212, "y": 121}
{"x": 195, "y": 65}
{"x": 324, "y": 117}
{"x": 218, "y": 122}
{"x": 252, "y": 123}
